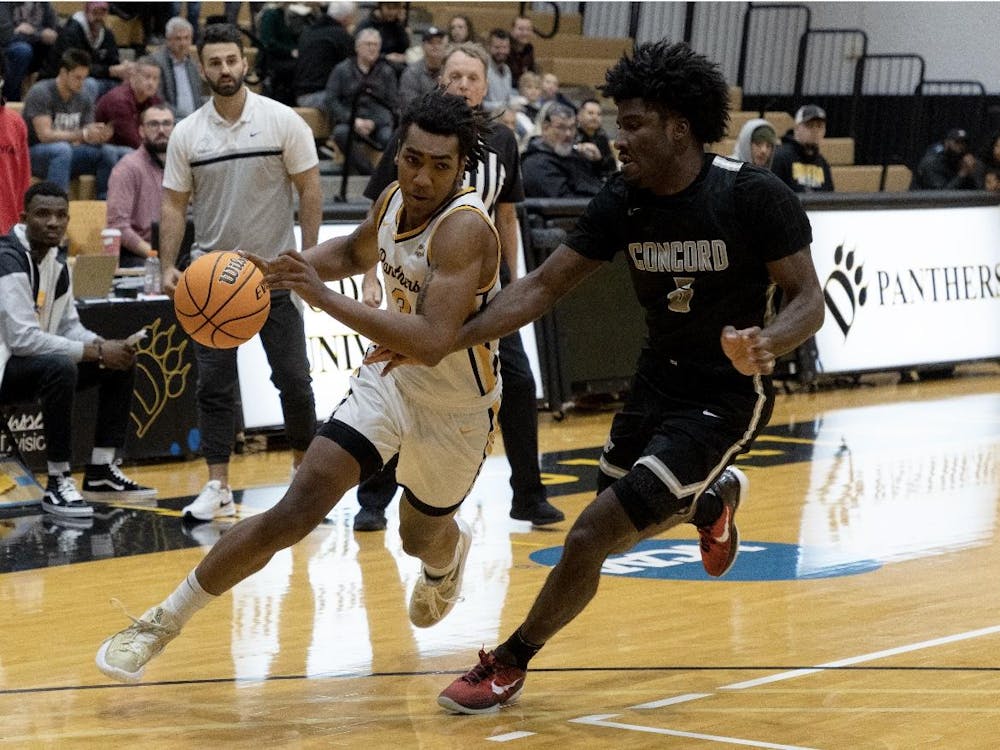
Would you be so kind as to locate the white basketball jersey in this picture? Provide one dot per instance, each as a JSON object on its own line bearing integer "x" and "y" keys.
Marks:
{"x": 464, "y": 380}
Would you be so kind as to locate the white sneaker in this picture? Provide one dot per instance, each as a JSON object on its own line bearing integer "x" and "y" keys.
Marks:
{"x": 430, "y": 602}
{"x": 124, "y": 655}
{"x": 214, "y": 500}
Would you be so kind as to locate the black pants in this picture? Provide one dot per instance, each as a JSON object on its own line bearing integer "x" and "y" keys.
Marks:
{"x": 54, "y": 380}
{"x": 519, "y": 422}
{"x": 284, "y": 341}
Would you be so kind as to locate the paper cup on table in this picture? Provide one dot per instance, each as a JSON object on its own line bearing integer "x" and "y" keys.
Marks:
{"x": 111, "y": 241}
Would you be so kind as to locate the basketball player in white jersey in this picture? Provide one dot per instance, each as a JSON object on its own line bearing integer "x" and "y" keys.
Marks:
{"x": 439, "y": 255}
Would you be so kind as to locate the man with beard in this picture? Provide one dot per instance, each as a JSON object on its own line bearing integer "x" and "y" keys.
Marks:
{"x": 552, "y": 166}
{"x": 237, "y": 159}
{"x": 948, "y": 165}
{"x": 135, "y": 188}
{"x": 704, "y": 237}
{"x": 797, "y": 161}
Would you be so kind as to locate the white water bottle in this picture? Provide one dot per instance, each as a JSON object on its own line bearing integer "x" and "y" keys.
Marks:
{"x": 153, "y": 282}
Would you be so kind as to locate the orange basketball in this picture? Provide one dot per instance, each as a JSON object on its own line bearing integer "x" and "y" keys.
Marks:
{"x": 221, "y": 300}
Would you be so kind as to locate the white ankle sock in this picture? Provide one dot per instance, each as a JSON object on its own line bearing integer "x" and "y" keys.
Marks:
{"x": 187, "y": 599}
{"x": 58, "y": 468}
{"x": 102, "y": 456}
{"x": 438, "y": 573}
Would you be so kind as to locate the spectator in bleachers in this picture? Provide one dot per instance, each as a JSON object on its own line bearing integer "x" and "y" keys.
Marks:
{"x": 460, "y": 30}
{"x": 990, "y": 158}
{"x": 948, "y": 165}
{"x": 389, "y": 20}
{"x": 27, "y": 33}
{"x": 279, "y": 28}
{"x": 64, "y": 139}
{"x": 522, "y": 51}
{"x": 232, "y": 13}
{"x": 120, "y": 107}
{"x": 991, "y": 180}
{"x": 499, "y": 78}
{"x": 592, "y": 140}
{"x": 15, "y": 166}
{"x": 514, "y": 117}
{"x": 181, "y": 84}
{"x": 798, "y": 161}
{"x": 552, "y": 93}
{"x": 756, "y": 143}
{"x": 321, "y": 47}
{"x": 86, "y": 30}
{"x": 421, "y": 77}
{"x": 373, "y": 81}
{"x": 135, "y": 187}
{"x": 529, "y": 87}
{"x": 551, "y": 166}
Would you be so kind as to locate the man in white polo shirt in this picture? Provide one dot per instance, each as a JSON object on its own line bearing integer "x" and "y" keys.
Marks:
{"x": 237, "y": 159}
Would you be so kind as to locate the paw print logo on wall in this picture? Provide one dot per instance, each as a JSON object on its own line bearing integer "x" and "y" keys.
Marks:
{"x": 844, "y": 290}
{"x": 161, "y": 375}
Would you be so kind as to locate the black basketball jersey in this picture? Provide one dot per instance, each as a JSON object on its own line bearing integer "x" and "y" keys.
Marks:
{"x": 697, "y": 259}
{"x": 496, "y": 177}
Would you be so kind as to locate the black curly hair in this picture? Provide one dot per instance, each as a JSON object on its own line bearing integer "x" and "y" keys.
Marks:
{"x": 674, "y": 78}
{"x": 446, "y": 114}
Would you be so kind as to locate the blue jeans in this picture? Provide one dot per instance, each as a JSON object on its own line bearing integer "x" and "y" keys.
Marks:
{"x": 19, "y": 56}
{"x": 61, "y": 161}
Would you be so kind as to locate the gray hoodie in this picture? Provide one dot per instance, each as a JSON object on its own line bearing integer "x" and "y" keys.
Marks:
{"x": 742, "y": 148}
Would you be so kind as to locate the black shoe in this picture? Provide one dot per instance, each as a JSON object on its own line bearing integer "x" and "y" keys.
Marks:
{"x": 369, "y": 520}
{"x": 540, "y": 513}
{"x": 105, "y": 483}
{"x": 62, "y": 498}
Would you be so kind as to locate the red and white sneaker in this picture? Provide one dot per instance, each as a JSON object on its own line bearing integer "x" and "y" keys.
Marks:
{"x": 720, "y": 542}
{"x": 484, "y": 688}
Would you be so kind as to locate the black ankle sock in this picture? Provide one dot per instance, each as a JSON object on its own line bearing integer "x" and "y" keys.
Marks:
{"x": 708, "y": 511}
{"x": 517, "y": 650}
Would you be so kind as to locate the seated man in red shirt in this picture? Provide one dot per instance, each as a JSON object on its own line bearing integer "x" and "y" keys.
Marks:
{"x": 121, "y": 106}
{"x": 135, "y": 188}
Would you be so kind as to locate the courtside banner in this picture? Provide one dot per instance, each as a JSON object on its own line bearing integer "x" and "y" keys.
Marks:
{"x": 907, "y": 287}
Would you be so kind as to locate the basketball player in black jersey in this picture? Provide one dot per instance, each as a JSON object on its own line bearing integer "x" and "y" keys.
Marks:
{"x": 704, "y": 236}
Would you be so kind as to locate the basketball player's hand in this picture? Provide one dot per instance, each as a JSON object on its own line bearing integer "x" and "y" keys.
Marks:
{"x": 392, "y": 359}
{"x": 749, "y": 350}
{"x": 171, "y": 277}
{"x": 293, "y": 272}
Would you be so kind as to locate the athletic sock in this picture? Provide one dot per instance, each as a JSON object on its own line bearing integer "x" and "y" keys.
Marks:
{"x": 517, "y": 650}
{"x": 708, "y": 511}
{"x": 433, "y": 575}
{"x": 102, "y": 456}
{"x": 188, "y": 598}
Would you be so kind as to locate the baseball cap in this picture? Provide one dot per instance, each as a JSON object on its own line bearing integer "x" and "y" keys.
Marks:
{"x": 764, "y": 133}
{"x": 433, "y": 32}
{"x": 957, "y": 134}
{"x": 809, "y": 112}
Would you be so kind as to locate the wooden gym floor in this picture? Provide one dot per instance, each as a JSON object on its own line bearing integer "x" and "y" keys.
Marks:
{"x": 861, "y": 614}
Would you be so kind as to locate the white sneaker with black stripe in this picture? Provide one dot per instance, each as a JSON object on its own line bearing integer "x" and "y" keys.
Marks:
{"x": 106, "y": 483}
{"x": 63, "y": 498}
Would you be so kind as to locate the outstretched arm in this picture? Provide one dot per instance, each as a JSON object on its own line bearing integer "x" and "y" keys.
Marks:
{"x": 529, "y": 297}
{"x": 754, "y": 350}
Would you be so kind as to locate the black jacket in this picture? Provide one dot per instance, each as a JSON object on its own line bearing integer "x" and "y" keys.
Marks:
{"x": 321, "y": 47}
{"x": 802, "y": 168}
{"x": 548, "y": 175}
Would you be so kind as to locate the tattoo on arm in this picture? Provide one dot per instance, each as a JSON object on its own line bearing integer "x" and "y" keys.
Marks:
{"x": 428, "y": 277}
